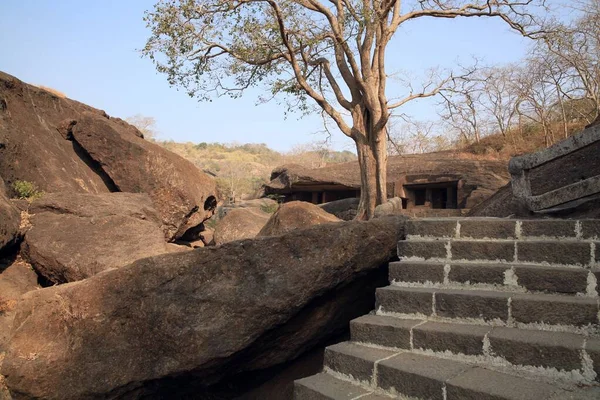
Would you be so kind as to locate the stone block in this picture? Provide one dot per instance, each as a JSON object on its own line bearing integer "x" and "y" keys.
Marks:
{"x": 404, "y": 300}
{"x": 382, "y": 330}
{"x": 325, "y": 387}
{"x": 592, "y": 347}
{"x": 488, "y": 228}
{"x": 483, "y": 250}
{"x": 552, "y": 279}
{"x": 407, "y": 271}
{"x": 554, "y": 252}
{"x": 554, "y": 310}
{"x": 457, "y": 338}
{"x": 538, "y": 348}
{"x": 486, "y": 305}
{"x": 417, "y": 376}
{"x": 483, "y": 384}
{"x": 354, "y": 360}
{"x": 548, "y": 228}
{"x": 424, "y": 249}
{"x": 590, "y": 228}
{"x": 492, "y": 274}
{"x": 439, "y": 228}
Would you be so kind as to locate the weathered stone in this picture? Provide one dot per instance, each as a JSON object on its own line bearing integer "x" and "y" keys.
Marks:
{"x": 411, "y": 271}
{"x": 62, "y": 145}
{"x": 592, "y": 348}
{"x": 556, "y": 310}
{"x": 472, "y": 304}
{"x": 16, "y": 278}
{"x": 238, "y": 224}
{"x": 427, "y": 249}
{"x": 457, "y": 338}
{"x": 404, "y": 300}
{"x": 439, "y": 228}
{"x": 183, "y": 195}
{"x": 492, "y": 274}
{"x": 552, "y": 279}
{"x": 418, "y": 376}
{"x": 382, "y": 330}
{"x": 482, "y": 250}
{"x": 483, "y": 384}
{"x": 538, "y": 348}
{"x": 590, "y": 228}
{"x": 554, "y": 252}
{"x": 185, "y": 320}
{"x": 75, "y": 236}
{"x": 586, "y": 393}
{"x": 354, "y": 360}
{"x": 548, "y": 228}
{"x": 10, "y": 219}
{"x": 487, "y": 228}
{"x": 325, "y": 387}
{"x": 296, "y": 215}
{"x": 343, "y": 209}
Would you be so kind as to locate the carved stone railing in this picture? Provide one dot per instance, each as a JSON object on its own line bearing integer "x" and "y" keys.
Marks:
{"x": 563, "y": 174}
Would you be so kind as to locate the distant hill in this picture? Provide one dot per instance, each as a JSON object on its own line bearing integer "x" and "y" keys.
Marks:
{"x": 241, "y": 169}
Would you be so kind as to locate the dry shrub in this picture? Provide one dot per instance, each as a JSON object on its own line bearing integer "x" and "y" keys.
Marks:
{"x": 53, "y": 91}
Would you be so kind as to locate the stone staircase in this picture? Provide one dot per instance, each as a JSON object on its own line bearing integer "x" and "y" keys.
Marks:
{"x": 479, "y": 309}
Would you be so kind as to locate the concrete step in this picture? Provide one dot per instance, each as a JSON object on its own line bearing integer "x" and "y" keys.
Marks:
{"x": 565, "y": 252}
{"x": 324, "y": 386}
{"x": 547, "y": 349}
{"x": 553, "y": 279}
{"x": 426, "y": 377}
{"x": 503, "y": 307}
{"x": 500, "y": 228}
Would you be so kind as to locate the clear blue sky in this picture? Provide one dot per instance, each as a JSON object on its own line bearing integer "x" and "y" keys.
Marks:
{"x": 88, "y": 50}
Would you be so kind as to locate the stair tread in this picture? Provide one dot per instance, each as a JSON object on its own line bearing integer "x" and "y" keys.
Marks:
{"x": 425, "y": 376}
{"x": 493, "y": 293}
{"x": 327, "y": 386}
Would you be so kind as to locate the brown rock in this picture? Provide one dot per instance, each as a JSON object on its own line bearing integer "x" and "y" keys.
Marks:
{"x": 9, "y": 219}
{"x": 193, "y": 318}
{"x": 75, "y": 236}
{"x": 183, "y": 195}
{"x": 62, "y": 145}
{"x": 239, "y": 223}
{"x": 33, "y": 149}
{"x": 16, "y": 278}
{"x": 296, "y": 215}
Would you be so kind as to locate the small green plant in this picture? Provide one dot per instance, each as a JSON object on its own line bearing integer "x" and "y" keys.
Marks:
{"x": 27, "y": 190}
{"x": 269, "y": 208}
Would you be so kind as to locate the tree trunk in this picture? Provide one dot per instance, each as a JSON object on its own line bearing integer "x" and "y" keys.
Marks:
{"x": 379, "y": 145}
{"x": 368, "y": 180}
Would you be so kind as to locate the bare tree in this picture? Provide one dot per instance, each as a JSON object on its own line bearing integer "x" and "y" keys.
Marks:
{"x": 538, "y": 97}
{"x": 500, "y": 96}
{"x": 463, "y": 110}
{"x": 146, "y": 125}
{"x": 331, "y": 52}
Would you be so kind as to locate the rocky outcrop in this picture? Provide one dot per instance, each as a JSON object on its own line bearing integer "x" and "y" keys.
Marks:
{"x": 182, "y": 194}
{"x": 239, "y": 223}
{"x": 343, "y": 209}
{"x": 16, "y": 278}
{"x": 392, "y": 206}
{"x": 9, "y": 219}
{"x": 75, "y": 236}
{"x": 195, "y": 317}
{"x": 296, "y": 215}
{"x": 62, "y": 145}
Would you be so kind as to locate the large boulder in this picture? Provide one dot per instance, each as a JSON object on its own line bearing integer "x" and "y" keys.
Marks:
{"x": 296, "y": 215}
{"x": 182, "y": 321}
{"x": 10, "y": 219}
{"x": 16, "y": 278}
{"x": 239, "y": 223}
{"x": 183, "y": 195}
{"x": 75, "y": 236}
{"x": 62, "y": 145}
